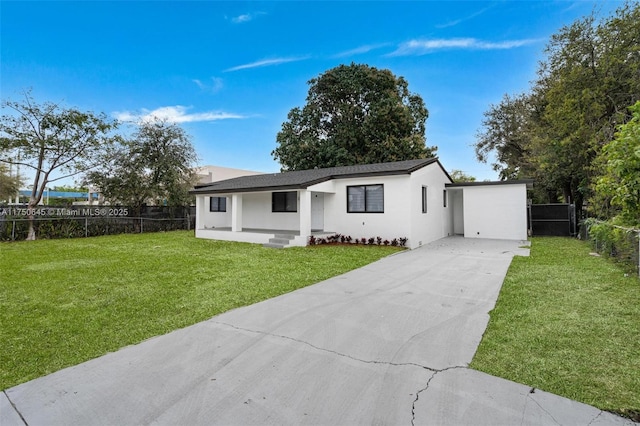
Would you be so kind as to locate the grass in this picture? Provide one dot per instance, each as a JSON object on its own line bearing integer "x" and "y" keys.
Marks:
{"x": 63, "y": 302}
{"x": 568, "y": 323}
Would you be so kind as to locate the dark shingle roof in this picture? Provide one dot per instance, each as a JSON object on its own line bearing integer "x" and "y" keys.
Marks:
{"x": 304, "y": 178}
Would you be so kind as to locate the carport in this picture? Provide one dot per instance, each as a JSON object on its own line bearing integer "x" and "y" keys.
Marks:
{"x": 496, "y": 210}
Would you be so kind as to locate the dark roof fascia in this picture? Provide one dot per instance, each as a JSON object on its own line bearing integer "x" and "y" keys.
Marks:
{"x": 244, "y": 190}
{"x": 528, "y": 182}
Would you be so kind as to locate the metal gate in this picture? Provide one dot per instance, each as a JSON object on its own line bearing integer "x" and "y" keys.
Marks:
{"x": 553, "y": 219}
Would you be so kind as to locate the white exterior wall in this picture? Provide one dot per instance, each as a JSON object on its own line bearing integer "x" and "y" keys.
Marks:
{"x": 206, "y": 219}
{"x": 495, "y": 211}
{"x": 393, "y": 223}
{"x": 257, "y": 213}
{"x": 436, "y": 222}
{"x": 479, "y": 211}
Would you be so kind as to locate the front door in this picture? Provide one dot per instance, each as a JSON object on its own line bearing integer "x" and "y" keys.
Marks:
{"x": 317, "y": 211}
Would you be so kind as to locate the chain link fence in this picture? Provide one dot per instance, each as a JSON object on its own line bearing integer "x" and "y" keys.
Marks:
{"x": 617, "y": 242}
{"x": 63, "y": 222}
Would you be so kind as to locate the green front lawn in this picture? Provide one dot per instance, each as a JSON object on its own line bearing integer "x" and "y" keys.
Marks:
{"x": 568, "y": 323}
{"x": 63, "y": 302}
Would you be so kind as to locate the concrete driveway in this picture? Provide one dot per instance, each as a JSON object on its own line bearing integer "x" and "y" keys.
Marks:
{"x": 385, "y": 344}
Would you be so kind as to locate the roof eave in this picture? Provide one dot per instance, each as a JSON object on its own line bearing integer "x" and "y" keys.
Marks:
{"x": 527, "y": 182}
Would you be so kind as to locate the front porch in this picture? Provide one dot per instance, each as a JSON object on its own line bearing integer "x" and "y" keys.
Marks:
{"x": 283, "y": 237}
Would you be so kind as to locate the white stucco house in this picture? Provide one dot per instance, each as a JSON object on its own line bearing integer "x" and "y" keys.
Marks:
{"x": 414, "y": 199}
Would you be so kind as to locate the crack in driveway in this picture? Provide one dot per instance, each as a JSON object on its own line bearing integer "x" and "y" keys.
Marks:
{"x": 265, "y": 333}
{"x": 435, "y": 371}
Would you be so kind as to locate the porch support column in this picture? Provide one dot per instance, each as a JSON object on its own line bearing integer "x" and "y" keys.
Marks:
{"x": 236, "y": 212}
{"x": 200, "y": 203}
{"x": 305, "y": 213}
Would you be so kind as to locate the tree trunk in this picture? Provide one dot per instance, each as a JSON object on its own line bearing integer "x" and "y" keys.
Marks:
{"x": 31, "y": 234}
{"x": 33, "y": 204}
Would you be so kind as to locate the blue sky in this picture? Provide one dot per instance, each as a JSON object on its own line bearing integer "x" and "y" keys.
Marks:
{"x": 229, "y": 72}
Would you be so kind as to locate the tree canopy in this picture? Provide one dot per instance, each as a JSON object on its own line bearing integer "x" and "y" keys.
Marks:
{"x": 555, "y": 132}
{"x": 9, "y": 184}
{"x": 154, "y": 166}
{"x": 51, "y": 141}
{"x": 354, "y": 114}
{"x": 461, "y": 176}
{"x": 621, "y": 179}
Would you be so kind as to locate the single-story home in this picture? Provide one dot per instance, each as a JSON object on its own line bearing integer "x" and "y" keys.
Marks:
{"x": 413, "y": 199}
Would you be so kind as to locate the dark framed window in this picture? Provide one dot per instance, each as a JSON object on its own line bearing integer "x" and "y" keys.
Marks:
{"x": 444, "y": 198}
{"x": 365, "y": 199}
{"x": 424, "y": 199}
{"x": 284, "y": 202}
{"x": 218, "y": 204}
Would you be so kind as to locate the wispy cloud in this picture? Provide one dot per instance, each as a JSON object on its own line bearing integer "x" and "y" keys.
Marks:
{"x": 246, "y": 17}
{"x": 423, "y": 47}
{"x": 361, "y": 50}
{"x": 466, "y": 18}
{"x": 214, "y": 86}
{"x": 266, "y": 63}
{"x": 173, "y": 114}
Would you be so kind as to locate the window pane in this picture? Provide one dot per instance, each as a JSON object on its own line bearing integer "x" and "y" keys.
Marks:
{"x": 218, "y": 204}
{"x": 355, "y": 199}
{"x": 277, "y": 202}
{"x": 424, "y": 199}
{"x": 284, "y": 201}
{"x": 375, "y": 198}
{"x": 291, "y": 203}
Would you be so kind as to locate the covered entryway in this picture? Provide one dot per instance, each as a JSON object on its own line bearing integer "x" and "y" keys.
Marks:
{"x": 456, "y": 201}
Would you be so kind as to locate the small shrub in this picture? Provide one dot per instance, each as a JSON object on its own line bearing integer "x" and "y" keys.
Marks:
{"x": 371, "y": 241}
{"x": 394, "y": 242}
{"x": 403, "y": 241}
{"x": 385, "y": 242}
{"x": 312, "y": 240}
{"x": 363, "y": 241}
{"x": 379, "y": 240}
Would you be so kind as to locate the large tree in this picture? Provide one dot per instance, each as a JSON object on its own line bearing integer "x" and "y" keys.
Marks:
{"x": 154, "y": 166}
{"x": 506, "y": 135}
{"x": 354, "y": 114}
{"x": 52, "y": 142}
{"x": 590, "y": 75}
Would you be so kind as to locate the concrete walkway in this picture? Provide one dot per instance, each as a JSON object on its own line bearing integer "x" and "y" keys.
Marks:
{"x": 385, "y": 344}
